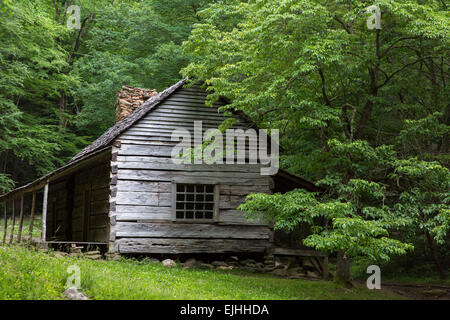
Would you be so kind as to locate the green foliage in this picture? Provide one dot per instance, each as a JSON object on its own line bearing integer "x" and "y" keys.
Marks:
{"x": 130, "y": 43}
{"x": 354, "y": 107}
{"x": 31, "y": 65}
{"x": 425, "y": 195}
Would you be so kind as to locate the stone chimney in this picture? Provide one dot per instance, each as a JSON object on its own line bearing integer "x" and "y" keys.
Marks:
{"x": 129, "y": 99}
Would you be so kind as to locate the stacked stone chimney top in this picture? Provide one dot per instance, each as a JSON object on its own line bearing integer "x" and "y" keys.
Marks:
{"x": 129, "y": 99}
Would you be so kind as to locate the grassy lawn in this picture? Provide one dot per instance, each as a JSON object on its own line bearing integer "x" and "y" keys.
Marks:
{"x": 29, "y": 274}
{"x": 37, "y": 227}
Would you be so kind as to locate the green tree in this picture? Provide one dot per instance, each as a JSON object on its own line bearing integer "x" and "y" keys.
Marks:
{"x": 346, "y": 99}
{"x": 31, "y": 61}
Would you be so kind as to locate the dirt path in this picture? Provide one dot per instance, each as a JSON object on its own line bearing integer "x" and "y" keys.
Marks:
{"x": 415, "y": 291}
{"x": 419, "y": 291}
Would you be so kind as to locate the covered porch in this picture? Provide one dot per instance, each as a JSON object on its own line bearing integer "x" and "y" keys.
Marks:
{"x": 67, "y": 206}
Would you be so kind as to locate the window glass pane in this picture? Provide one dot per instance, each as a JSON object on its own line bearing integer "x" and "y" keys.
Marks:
{"x": 180, "y": 215}
{"x": 199, "y": 215}
{"x": 194, "y": 201}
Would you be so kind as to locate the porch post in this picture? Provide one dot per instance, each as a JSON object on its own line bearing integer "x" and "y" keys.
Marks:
{"x": 19, "y": 234}
{"x": 33, "y": 206}
{"x": 5, "y": 226}
{"x": 11, "y": 236}
{"x": 44, "y": 213}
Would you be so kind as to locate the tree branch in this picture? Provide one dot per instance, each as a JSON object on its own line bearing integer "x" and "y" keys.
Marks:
{"x": 344, "y": 25}
{"x": 324, "y": 92}
{"x": 400, "y": 70}
{"x": 392, "y": 46}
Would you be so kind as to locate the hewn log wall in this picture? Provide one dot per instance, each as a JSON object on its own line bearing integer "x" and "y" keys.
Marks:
{"x": 141, "y": 190}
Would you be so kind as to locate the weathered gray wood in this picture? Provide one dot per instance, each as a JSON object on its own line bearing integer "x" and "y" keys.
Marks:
{"x": 296, "y": 252}
{"x": 144, "y": 199}
{"x": 186, "y": 116}
{"x": 216, "y": 202}
{"x": 150, "y": 131}
{"x": 133, "y": 150}
{"x": 44, "y": 212}
{"x": 5, "y": 226}
{"x": 147, "y": 143}
{"x": 130, "y": 176}
{"x": 167, "y": 108}
{"x": 189, "y": 230}
{"x": 144, "y": 186}
{"x": 33, "y": 209}
{"x": 19, "y": 234}
{"x": 151, "y": 120}
{"x": 186, "y": 98}
{"x": 177, "y": 246}
{"x": 177, "y": 102}
{"x": 238, "y": 190}
{"x": 230, "y": 202}
{"x": 174, "y": 201}
{"x": 155, "y": 175}
{"x": 169, "y": 166}
{"x": 164, "y": 187}
{"x": 114, "y": 180}
{"x": 158, "y": 214}
{"x": 178, "y": 125}
{"x": 77, "y": 242}
{"x": 147, "y": 213}
{"x": 237, "y": 217}
{"x": 13, "y": 221}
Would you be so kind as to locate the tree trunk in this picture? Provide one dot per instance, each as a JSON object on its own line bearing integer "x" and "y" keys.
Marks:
{"x": 343, "y": 269}
{"x": 62, "y": 109}
{"x": 436, "y": 260}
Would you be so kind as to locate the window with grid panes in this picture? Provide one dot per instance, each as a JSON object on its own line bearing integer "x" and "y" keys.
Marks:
{"x": 194, "y": 201}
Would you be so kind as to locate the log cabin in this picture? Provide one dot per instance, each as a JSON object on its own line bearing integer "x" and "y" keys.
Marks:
{"x": 124, "y": 192}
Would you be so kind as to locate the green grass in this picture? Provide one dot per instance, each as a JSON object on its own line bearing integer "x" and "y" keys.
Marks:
{"x": 37, "y": 228}
{"x": 30, "y": 274}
